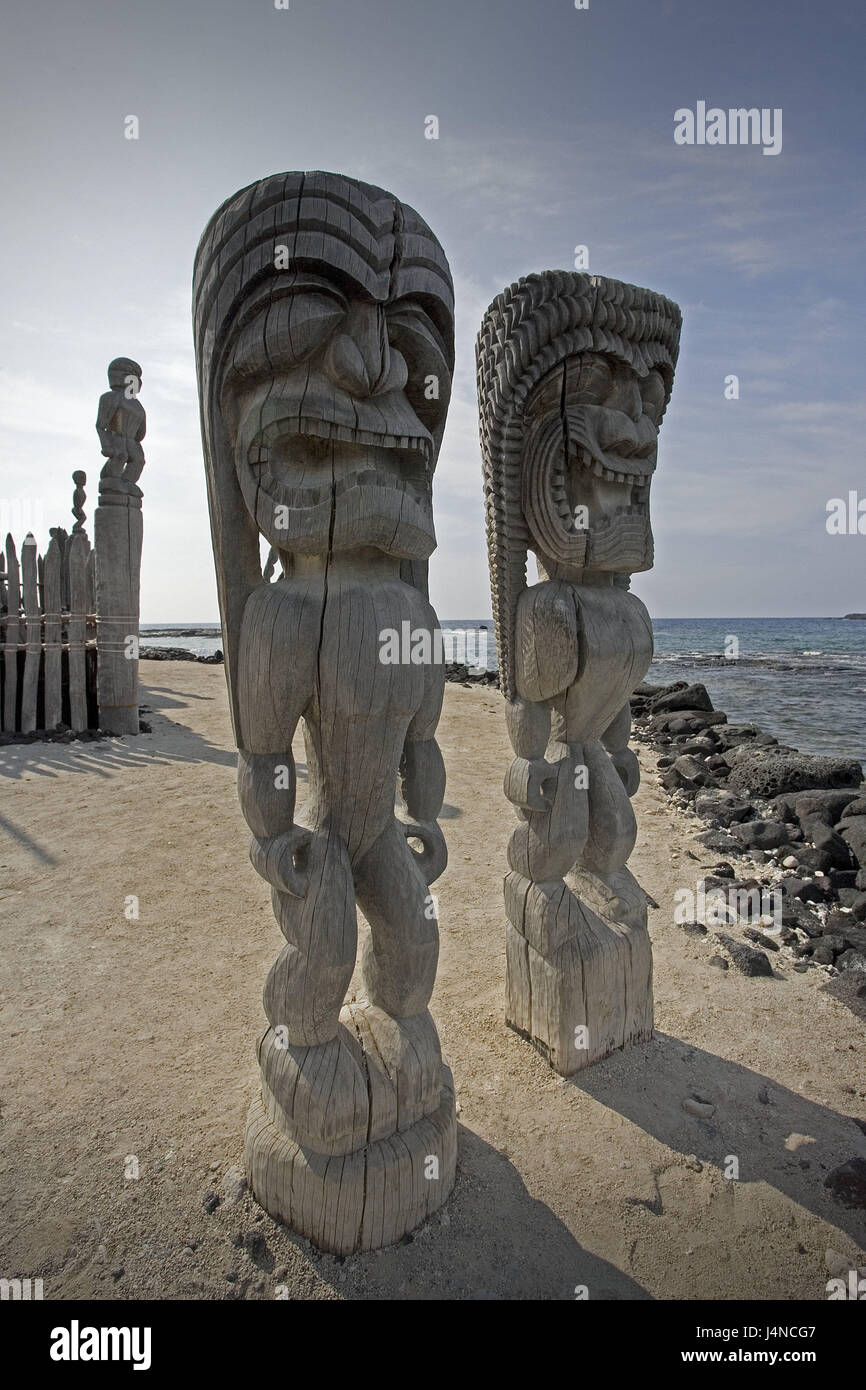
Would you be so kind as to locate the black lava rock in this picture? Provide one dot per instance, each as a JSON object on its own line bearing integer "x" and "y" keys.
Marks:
{"x": 747, "y": 959}
{"x": 773, "y": 772}
{"x": 848, "y": 1183}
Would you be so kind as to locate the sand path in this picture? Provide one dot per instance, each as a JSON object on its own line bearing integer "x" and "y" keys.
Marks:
{"x": 126, "y": 1037}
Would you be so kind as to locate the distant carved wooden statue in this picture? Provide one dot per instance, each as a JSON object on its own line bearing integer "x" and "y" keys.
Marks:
{"x": 120, "y": 424}
{"x": 323, "y": 315}
{"x": 118, "y": 531}
{"x": 574, "y": 375}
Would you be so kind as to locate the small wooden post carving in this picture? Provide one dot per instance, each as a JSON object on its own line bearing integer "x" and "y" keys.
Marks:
{"x": 79, "y": 497}
{"x": 117, "y": 538}
{"x": 574, "y": 375}
{"x": 324, "y": 335}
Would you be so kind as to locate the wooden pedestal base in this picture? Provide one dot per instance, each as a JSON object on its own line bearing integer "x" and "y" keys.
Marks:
{"x": 578, "y": 985}
{"x": 360, "y": 1200}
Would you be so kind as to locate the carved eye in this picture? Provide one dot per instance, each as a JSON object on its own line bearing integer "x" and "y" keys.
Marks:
{"x": 428, "y": 381}
{"x": 302, "y": 322}
{"x": 546, "y": 396}
{"x": 281, "y": 332}
{"x": 593, "y": 382}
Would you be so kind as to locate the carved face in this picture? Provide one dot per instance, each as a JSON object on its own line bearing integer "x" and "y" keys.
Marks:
{"x": 590, "y": 452}
{"x": 335, "y": 404}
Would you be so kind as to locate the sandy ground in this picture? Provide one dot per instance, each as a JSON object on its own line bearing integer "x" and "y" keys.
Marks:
{"x": 135, "y": 1038}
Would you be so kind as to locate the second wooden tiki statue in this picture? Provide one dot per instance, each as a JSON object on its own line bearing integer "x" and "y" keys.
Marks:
{"x": 574, "y": 375}
{"x": 323, "y": 312}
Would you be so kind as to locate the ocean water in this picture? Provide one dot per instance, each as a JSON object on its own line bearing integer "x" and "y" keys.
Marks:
{"x": 801, "y": 679}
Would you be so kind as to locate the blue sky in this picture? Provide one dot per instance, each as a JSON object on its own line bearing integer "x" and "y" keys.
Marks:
{"x": 556, "y": 129}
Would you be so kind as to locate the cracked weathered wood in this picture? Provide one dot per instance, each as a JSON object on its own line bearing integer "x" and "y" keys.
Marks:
{"x": 117, "y": 540}
{"x": 323, "y": 311}
{"x": 12, "y": 637}
{"x": 117, "y": 533}
{"x": 53, "y": 630}
{"x": 77, "y": 553}
{"x": 33, "y": 620}
{"x": 574, "y": 374}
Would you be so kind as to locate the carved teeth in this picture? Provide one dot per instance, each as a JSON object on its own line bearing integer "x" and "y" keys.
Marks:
{"x": 324, "y": 429}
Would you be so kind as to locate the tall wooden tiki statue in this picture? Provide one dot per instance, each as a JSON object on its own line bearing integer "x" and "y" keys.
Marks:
{"x": 323, "y": 315}
{"x": 574, "y": 375}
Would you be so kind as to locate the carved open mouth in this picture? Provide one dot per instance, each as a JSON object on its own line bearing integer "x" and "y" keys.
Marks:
{"x": 301, "y": 459}
{"x": 303, "y": 441}
{"x": 607, "y": 493}
{"x": 610, "y": 463}
{"x": 587, "y": 490}
{"x": 312, "y": 483}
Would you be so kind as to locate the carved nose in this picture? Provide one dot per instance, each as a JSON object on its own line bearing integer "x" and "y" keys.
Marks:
{"x": 630, "y": 400}
{"x": 360, "y": 358}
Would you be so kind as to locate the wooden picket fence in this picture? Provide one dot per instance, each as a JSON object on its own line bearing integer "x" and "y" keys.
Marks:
{"x": 48, "y": 663}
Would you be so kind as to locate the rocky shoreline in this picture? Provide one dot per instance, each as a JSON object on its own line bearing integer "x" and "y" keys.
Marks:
{"x": 796, "y": 823}
{"x": 179, "y": 654}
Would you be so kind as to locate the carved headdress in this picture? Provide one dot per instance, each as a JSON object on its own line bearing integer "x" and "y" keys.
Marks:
{"x": 530, "y": 328}
{"x": 337, "y": 242}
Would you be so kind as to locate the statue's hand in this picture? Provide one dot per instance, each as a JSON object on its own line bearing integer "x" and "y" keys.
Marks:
{"x": 283, "y": 860}
{"x": 628, "y": 767}
{"x": 432, "y": 856}
{"x": 113, "y": 446}
{"x": 531, "y": 783}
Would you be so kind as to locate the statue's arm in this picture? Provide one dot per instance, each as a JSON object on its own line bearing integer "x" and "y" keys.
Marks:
{"x": 527, "y": 781}
{"x": 615, "y": 740}
{"x": 276, "y": 677}
{"x": 422, "y": 768}
{"x": 546, "y": 659}
{"x": 546, "y": 640}
{"x": 111, "y": 443}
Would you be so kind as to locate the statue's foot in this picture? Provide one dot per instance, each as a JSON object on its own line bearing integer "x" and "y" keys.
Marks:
{"x": 403, "y": 1061}
{"x": 378, "y": 1076}
{"x": 616, "y": 895}
{"x": 316, "y": 1095}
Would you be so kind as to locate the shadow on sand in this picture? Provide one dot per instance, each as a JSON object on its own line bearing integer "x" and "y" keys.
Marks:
{"x": 778, "y": 1136}
{"x": 108, "y": 755}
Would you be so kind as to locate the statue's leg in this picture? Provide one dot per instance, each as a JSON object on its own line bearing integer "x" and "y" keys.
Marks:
{"x": 353, "y": 1138}
{"x": 313, "y": 1107}
{"x": 402, "y": 951}
{"x": 133, "y": 470}
{"x": 579, "y": 967}
{"x": 412, "y": 1146}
